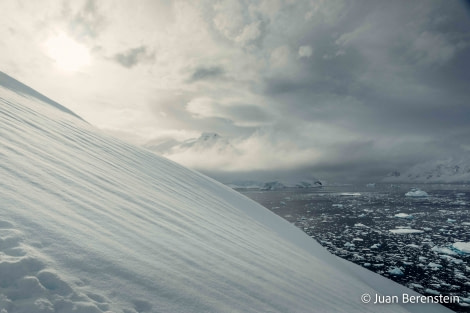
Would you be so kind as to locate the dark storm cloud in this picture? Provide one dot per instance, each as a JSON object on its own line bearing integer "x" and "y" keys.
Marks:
{"x": 249, "y": 113}
{"x": 134, "y": 56}
{"x": 351, "y": 90}
{"x": 396, "y": 67}
{"x": 206, "y": 73}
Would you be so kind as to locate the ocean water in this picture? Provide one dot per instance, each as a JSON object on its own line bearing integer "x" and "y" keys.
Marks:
{"x": 407, "y": 239}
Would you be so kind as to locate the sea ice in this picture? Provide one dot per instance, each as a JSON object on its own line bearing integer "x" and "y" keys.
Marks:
{"x": 443, "y": 250}
{"x": 405, "y": 231}
{"x": 396, "y": 271}
{"x": 414, "y": 192}
{"x": 462, "y": 247}
{"x": 403, "y": 215}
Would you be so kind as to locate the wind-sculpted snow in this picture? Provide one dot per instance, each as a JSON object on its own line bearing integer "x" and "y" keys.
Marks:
{"x": 91, "y": 224}
{"x": 20, "y": 88}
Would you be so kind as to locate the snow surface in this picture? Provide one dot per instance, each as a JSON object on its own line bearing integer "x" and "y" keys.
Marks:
{"x": 90, "y": 224}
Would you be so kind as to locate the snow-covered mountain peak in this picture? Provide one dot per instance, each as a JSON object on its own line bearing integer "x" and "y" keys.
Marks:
{"x": 206, "y": 141}
{"x": 449, "y": 170}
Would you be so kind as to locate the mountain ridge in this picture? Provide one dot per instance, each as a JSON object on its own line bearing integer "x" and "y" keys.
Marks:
{"x": 449, "y": 170}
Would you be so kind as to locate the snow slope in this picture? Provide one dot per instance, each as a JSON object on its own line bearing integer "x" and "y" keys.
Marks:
{"x": 91, "y": 224}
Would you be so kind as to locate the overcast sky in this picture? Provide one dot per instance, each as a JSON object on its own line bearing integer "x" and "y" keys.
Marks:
{"x": 335, "y": 89}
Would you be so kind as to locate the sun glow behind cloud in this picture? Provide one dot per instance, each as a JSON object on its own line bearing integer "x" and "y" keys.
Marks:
{"x": 68, "y": 54}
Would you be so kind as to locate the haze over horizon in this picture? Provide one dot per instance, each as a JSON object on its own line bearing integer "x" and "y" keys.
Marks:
{"x": 332, "y": 89}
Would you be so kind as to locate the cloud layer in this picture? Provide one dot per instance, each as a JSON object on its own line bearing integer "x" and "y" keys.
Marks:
{"x": 346, "y": 90}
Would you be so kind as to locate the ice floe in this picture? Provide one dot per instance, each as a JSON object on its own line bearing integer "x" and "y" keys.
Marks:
{"x": 462, "y": 247}
{"x": 405, "y": 231}
{"x": 414, "y": 192}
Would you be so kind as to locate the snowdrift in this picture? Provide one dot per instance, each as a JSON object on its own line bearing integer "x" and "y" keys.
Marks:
{"x": 91, "y": 224}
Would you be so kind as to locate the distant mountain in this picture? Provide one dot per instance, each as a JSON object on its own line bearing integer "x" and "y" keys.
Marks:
{"x": 207, "y": 141}
{"x": 450, "y": 170}
{"x": 275, "y": 185}
{"x": 212, "y": 144}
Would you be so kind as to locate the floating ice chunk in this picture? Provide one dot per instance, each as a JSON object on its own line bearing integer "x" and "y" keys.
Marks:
{"x": 434, "y": 265}
{"x": 360, "y": 225}
{"x": 462, "y": 247}
{"x": 414, "y": 192}
{"x": 375, "y": 246}
{"x": 396, "y": 271}
{"x": 403, "y": 215}
{"x": 405, "y": 231}
{"x": 431, "y": 291}
{"x": 443, "y": 250}
{"x": 448, "y": 258}
{"x": 371, "y": 185}
{"x": 466, "y": 300}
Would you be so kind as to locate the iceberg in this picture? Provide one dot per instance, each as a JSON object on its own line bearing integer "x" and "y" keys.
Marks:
{"x": 405, "y": 231}
{"x": 403, "y": 215}
{"x": 414, "y": 192}
{"x": 396, "y": 271}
